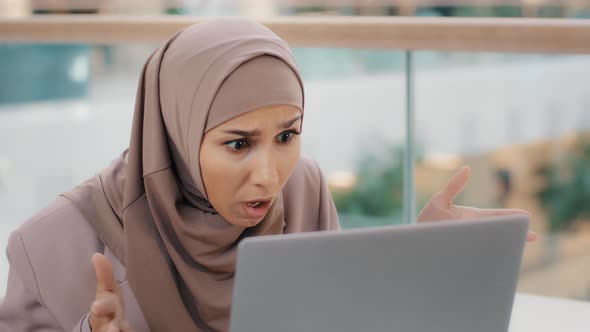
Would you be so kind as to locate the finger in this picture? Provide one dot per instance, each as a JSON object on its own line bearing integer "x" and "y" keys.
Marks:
{"x": 104, "y": 273}
{"x": 470, "y": 212}
{"x": 125, "y": 326}
{"x": 456, "y": 185}
{"x": 112, "y": 327}
{"x": 107, "y": 305}
{"x": 531, "y": 236}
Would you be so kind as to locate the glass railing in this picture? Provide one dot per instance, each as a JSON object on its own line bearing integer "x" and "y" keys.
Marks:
{"x": 388, "y": 127}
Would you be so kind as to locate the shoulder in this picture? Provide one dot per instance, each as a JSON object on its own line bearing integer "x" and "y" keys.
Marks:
{"x": 304, "y": 197}
{"x": 306, "y": 179}
{"x": 59, "y": 228}
{"x": 306, "y": 172}
{"x": 57, "y": 216}
{"x": 51, "y": 253}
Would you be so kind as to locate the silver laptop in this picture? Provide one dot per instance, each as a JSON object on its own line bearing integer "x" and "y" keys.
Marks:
{"x": 452, "y": 276}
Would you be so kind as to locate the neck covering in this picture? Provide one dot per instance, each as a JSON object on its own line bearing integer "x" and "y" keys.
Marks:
{"x": 150, "y": 206}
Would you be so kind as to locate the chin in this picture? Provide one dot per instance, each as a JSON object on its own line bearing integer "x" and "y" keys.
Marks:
{"x": 252, "y": 223}
{"x": 243, "y": 222}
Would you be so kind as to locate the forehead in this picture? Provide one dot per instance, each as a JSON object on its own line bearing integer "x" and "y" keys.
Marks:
{"x": 268, "y": 115}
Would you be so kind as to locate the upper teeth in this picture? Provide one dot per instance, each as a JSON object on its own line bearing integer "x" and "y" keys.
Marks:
{"x": 255, "y": 204}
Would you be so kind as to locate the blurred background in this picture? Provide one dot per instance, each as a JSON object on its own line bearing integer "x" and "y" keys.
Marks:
{"x": 521, "y": 121}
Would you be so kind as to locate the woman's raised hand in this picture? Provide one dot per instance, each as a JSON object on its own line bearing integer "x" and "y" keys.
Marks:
{"x": 106, "y": 313}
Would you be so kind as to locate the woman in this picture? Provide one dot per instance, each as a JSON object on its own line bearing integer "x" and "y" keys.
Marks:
{"x": 214, "y": 157}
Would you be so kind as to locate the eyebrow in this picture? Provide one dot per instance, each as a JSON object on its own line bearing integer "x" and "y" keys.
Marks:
{"x": 246, "y": 133}
{"x": 243, "y": 133}
{"x": 289, "y": 123}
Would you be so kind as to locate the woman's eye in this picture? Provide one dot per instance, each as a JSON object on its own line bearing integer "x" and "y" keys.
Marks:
{"x": 285, "y": 137}
{"x": 237, "y": 145}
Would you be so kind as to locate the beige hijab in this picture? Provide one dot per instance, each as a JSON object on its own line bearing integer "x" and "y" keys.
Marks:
{"x": 150, "y": 206}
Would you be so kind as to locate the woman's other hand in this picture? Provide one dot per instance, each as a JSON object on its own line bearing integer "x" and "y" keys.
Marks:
{"x": 441, "y": 207}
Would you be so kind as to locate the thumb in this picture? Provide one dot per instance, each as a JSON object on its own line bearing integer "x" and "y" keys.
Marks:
{"x": 104, "y": 274}
{"x": 455, "y": 185}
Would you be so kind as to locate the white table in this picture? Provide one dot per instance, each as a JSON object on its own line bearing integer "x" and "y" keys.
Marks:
{"x": 533, "y": 313}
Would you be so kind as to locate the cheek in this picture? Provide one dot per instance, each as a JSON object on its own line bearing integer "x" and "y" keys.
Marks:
{"x": 219, "y": 176}
{"x": 288, "y": 161}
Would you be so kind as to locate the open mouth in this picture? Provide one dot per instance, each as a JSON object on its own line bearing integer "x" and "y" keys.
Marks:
{"x": 256, "y": 204}
{"x": 256, "y": 209}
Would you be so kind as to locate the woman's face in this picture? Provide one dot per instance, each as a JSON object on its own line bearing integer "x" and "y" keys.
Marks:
{"x": 246, "y": 161}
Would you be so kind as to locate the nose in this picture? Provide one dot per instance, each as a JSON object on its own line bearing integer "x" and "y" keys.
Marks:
{"x": 264, "y": 172}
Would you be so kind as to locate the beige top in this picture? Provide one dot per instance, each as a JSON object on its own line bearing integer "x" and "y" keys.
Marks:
{"x": 52, "y": 283}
